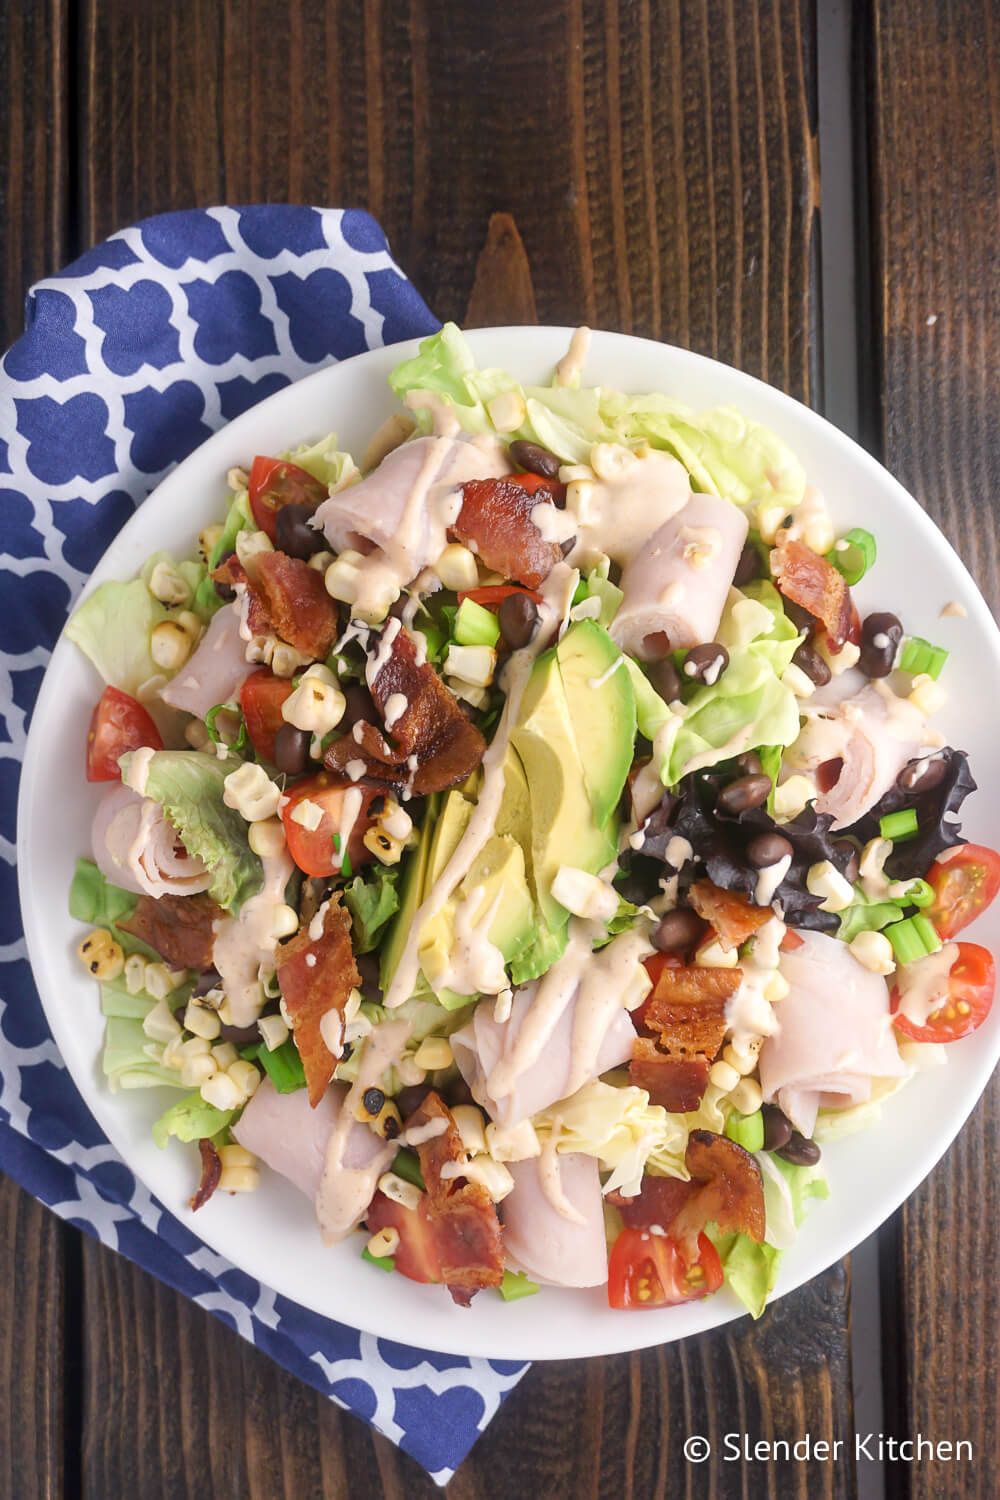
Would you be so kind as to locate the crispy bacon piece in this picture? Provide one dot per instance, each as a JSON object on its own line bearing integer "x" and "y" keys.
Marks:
{"x": 312, "y": 989}
{"x": 496, "y": 515}
{"x": 811, "y": 582}
{"x": 180, "y": 928}
{"x": 659, "y": 1201}
{"x": 731, "y": 1192}
{"x": 448, "y": 748}
{"x": 677, "y": 1084}
{"x": 732, "y": 915}
{"x": 211, "y": 1172}
{"x": 297, "y": 603}
{"x": 231, "y": 572}
{"x": 466, "y": 1227}
{"x": 685, "y": 1016}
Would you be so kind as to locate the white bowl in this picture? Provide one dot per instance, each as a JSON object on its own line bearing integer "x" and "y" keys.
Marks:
{"x": 272, "y": 1234}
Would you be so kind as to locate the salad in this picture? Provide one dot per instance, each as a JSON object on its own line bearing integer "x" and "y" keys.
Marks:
{"x": 517, "y": 839}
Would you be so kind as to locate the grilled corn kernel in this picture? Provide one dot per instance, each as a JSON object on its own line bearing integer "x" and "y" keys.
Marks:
{"x": 197, "y": 1070}
{"x": 135, "y": 973}
{"x": 471, "y": 1127}
{"x": 202, "y": 1022}
{"x": 824, "y": 879}
{"x": 743, "y": 1062}
{"x": 398, "y": 1190}
{"x": 713, "y": 956}
{"x": 273, "y": 1032}
{"x": 158, "y": 981}
{"x": 472, "y": 664}
{"x": 316, "y": 706}
{"x": 792, "y": 797}
{"x": 236, "y": 1156}
{"x": 385, "y": 848}
{"x": 746, "y": 1097}
{"x": 385, "y": 1242}
{"x": 926, "y": 695}
{"x": 208, "y": 536}
{"x": 724, "y": 1076}
{"x": 222, "y": 1091}
{"x": 250, "y": 545}
{"x": 251, "y": 792}
{"x": 284, "y": 921}
{"x": 379, "y": 1113}
{"x": 168, "y": 585}
{"x": 873, "y": 951}
{"x": 434, "y": 1052}
{"x": 245, "y": 1076}
{"x": 160, "y": 1024}
{"x": 101, "y": 955}
{"x": 239, "y": 1180}
{"x": 170, "y": 645}
{"x": 341, "y": 577}
{"x": 456, "y": 568}
{"x": 224, "y": 1055}
{"x": 267, "y": 838}
{"x": 285, "y": 660}
{"x": 507, "y": 411}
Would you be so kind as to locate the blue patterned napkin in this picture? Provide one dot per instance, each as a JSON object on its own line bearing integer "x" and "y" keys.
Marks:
{"x": 134, "y": 355}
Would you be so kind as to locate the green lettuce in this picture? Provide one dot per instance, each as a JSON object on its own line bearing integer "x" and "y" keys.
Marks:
{"x": 751, "y": 1270}
{"x": 113, "y": 627}
{"x": 190, "y": 1119}
{"x": 325, "y": 461}
{"x": 189, "y": 786}
{"x": 867, "y": 916}
{"x": 94, "y": 900}
{"x": 238, "y": 519}
{"x": 129, "y": 1057}
{"x": 371, "y": 901}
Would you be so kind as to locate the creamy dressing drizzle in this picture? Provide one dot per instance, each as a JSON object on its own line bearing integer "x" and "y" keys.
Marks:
{"x": 395, "y": 707}
{"x": 647, "y": 788}
{"x": 570, "y": 367}
{"x": 349, "y": 809}
{"x": 924, "y": 985}
{"x": 618, "y": 516}
{"x": 550, "y": 1179}
{"x": 769, "y": 879}
{"x": 557, "y": 593}
{"x": 598, "y": 682}
{"x": 749, "y": 1015}
{"x": 419, "y": 1135}
{"x": 137, "y": 775}
{"x": 475, "y": 964}
{"x": 345, "y": 1192}
{"x": 242, "y": 944}
{"x": 375, "y": 663}
{"x": 552, "y": 524}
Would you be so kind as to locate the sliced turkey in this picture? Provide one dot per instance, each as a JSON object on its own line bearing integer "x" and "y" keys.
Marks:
{"x": 835, "y": 1034}
{"x": 675, "y": 588}
{"x": 216, "y": 670}
{"x": 545, "y": 1243}
{"x": 872, "y": 735}
{"x": 137, "y": 847}
{"x": 291, "y": 1137}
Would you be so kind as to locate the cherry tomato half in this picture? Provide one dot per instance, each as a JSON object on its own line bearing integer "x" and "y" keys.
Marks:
{"x": 416, "y": 1255}
{"x": 971, "y": 984}
{"x": 317, "y": 850}
{"x": 261, "y": 697}
{"x": 118, "y": 724}
{"x": 275, "y": 483}
{"x": 965, "y": 881}
{"x": 649, "y": 1270}
{"x": 492, "y": 595}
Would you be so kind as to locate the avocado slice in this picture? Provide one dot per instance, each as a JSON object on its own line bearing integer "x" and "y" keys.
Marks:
{"x": 411, "y": 893}
{"x": 601, "y": 702}
{"x": 563, "y": 827}
{"x": 498, "y": 871}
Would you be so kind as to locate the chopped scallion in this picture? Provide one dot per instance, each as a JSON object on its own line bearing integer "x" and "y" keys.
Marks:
{"x": 919, "y": 894}
{"x": 913, "y": 938}
{"x": 407, "y": 1165}
{"x": 476, "y": 626}
{"x": 899, "y": 826}
{"x": 922, "y": 658}
{"x": 384, "y": 1262}
{"x": 747, "y": 1130}
{"x": 854, "y": 554}
{"x": 284, "y": 1067}
{"x": 241, "y": 739}
{"x": 516, "y": 1285}
{"x": 927, "y": 932}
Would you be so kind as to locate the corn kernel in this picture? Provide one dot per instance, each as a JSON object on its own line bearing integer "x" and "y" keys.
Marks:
{"x": 926, "y": 695}
{"x": 251, "y": 792}
{"x": 222, "y": 1092}
{"x": 285, "y": 660}
{"x": 284, "y": 921}
{"x": 245, "y": 1076}
{"x": 471, "y": 1127}
{"x": 457, "y": 568}
{"x": 792, "y": 797}
{"x": 101, "y": 955}
{"x": 202, "y": 1022}
{"x": 475, "y": 696}
{"x": 723, "y": 1076}
{"x": 236, "y": 1156}
{"x": 251, "y": 545}
{"x": 746, "y": 1097}
{"x": 472, "y": 664}
{"x": 743, "y": 1062}
{"x": 873, "y": 951}
{"x": 196, "y": 1070}
{"x": 824, "y": 879}
{"x": 160, "y": 1024}
{"x": 208, "y": 536}
{"x": 583, "y": 894}
{"x": 801, "y": 685}
{"x": 273, "y": 1031}
{"x": 776, "y": 987}
{"x": 168, "y": 585}
{"x": 341, "y": 577}
{"x": 769, "y": 518}
{"x": 267, "y": 838}
{"x": 158, "y": 981}
{"x": 224, "y": 1055}
{"x": 434, "y": 1052}
{"x": 513, "y": 1143}
{"x": 612, "y": 460}
{"x": 398, "y": 1190}
{"x": 385, "y": 848}
{"x": 712, "y": 955}
{"x": 320, "y": 561}
{"x": 385, "y": 1242}
{"x": 135, "y": 973}
{"x": 507, "y": 411}
{"x": 170, "y": 645}
{"x": 239, "y": 1180}
{"x": 315, "y": 706}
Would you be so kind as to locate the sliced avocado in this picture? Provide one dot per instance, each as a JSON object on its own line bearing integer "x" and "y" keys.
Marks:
{"x": 539, "y": 957}
{"x": 451, "y": 822}
{"x": 411, "y": 893}
{"x": 498, "y": 873}
{"x": 601, "y": 702}
{"x": 563, "y": 827}
{"x": 514, "y": 816}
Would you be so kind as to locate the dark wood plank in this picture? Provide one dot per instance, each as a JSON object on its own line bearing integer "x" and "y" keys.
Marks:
{"x": 935, "y": 165}
{"x": 677, "y": 202}
{"x": 32, "y": 1352}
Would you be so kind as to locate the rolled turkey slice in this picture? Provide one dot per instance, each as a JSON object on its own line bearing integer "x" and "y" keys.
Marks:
{"x": 291, "y": 1137}
{"x": 861, "y": 745}
{"x": 137, "y": 847}
{"x": 405, "y": 506}
{"x": 835, "y": 1033}
{"x": 675, "y": 589}
{"x": 543, "y": 1242}
{"x": 215, "y": 671}
{"x": 479, "y": 1046}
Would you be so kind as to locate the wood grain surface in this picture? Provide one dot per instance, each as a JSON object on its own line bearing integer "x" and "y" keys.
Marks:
{"x": 649, "y": 165}
{"x": 937, "y": 288}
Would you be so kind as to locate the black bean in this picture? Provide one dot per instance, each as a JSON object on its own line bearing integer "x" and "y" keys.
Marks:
{"x": 744, "y": 793}
{"x": 801, "y": 618}
{"x": 851, "y": 859}
{"x": 800, "y": 1152}
{"x": 409, "y": 1100}
{"x": 768, "y": 849}
{"x": 749, "y": 566}
{"x": 293, "y": 534}
{"x": 457, "y": 1091}
{"x": 291, "y": 749}
{"x": 665, "y": 678}
{"x": 922, "y": 775}
{"x": 677, "y": 930}
{"x": 706, "y": 663}
{"x": 534, "y": 459}
{"x": 346, "y": 1051}
{"x": 749, "y": 763}
{"x": 358, "y": 706}
{"x": 239, "y": 1036}
{"x": 518, "y": 620}
{"x": 373, "y": 1100}
{"x": 880, "y": 637}
{"x": 777, "y": 1128}
{"x": 812, "y": 664}
{"x": 208, "y": 979}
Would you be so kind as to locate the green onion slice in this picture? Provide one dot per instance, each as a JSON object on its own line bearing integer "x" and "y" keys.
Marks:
{"x": 854, "y": 554}
{"x": 241, "y": 740}
{"x": 899, "y": 826}
{"x": 922, "y": 658}
{"x": 476, "y": 626}
{"x": 384, "y": 1262}
{"x": 516, "y": 1285}
{"x": 747, "y": 1130}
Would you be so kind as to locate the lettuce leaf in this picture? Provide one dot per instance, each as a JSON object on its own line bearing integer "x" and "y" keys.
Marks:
{"x": 237, "y": 519}
{"x": 113, "y": 627}
{"x": 190, "y": 1119}
{"x": 94, "y": 900}
{"x": 325, "y": 462}
{"x": 867, "y": 916}
{"x": 128, "y": 1061}
{"x": 751, "y": 1270}
{"x": 371, "y": 901}
{"x": 189, "y": 785}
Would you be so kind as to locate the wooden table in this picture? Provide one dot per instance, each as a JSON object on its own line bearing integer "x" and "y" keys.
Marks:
{"x": 647, "y": 165}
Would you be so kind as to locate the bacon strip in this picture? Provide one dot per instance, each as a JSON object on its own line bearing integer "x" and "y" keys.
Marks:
{"x": 811, "y": 582}
{"x": 230, "y": 573}
{"x": 686, "y": 1014}
{"x": 297, "y": 603}
{"x": 181, "y": 929}
{"x": 464, "y": 1217}
{"x": 448, "y": 748}
{"x": 310, "y": 989}
{"x": 677, "y": 1084}
{"x": 496, "y": 516}
{"x": 211, "y": 1173}
{"x": 732, "y": 915}
{"x": 731, "y": 1194}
